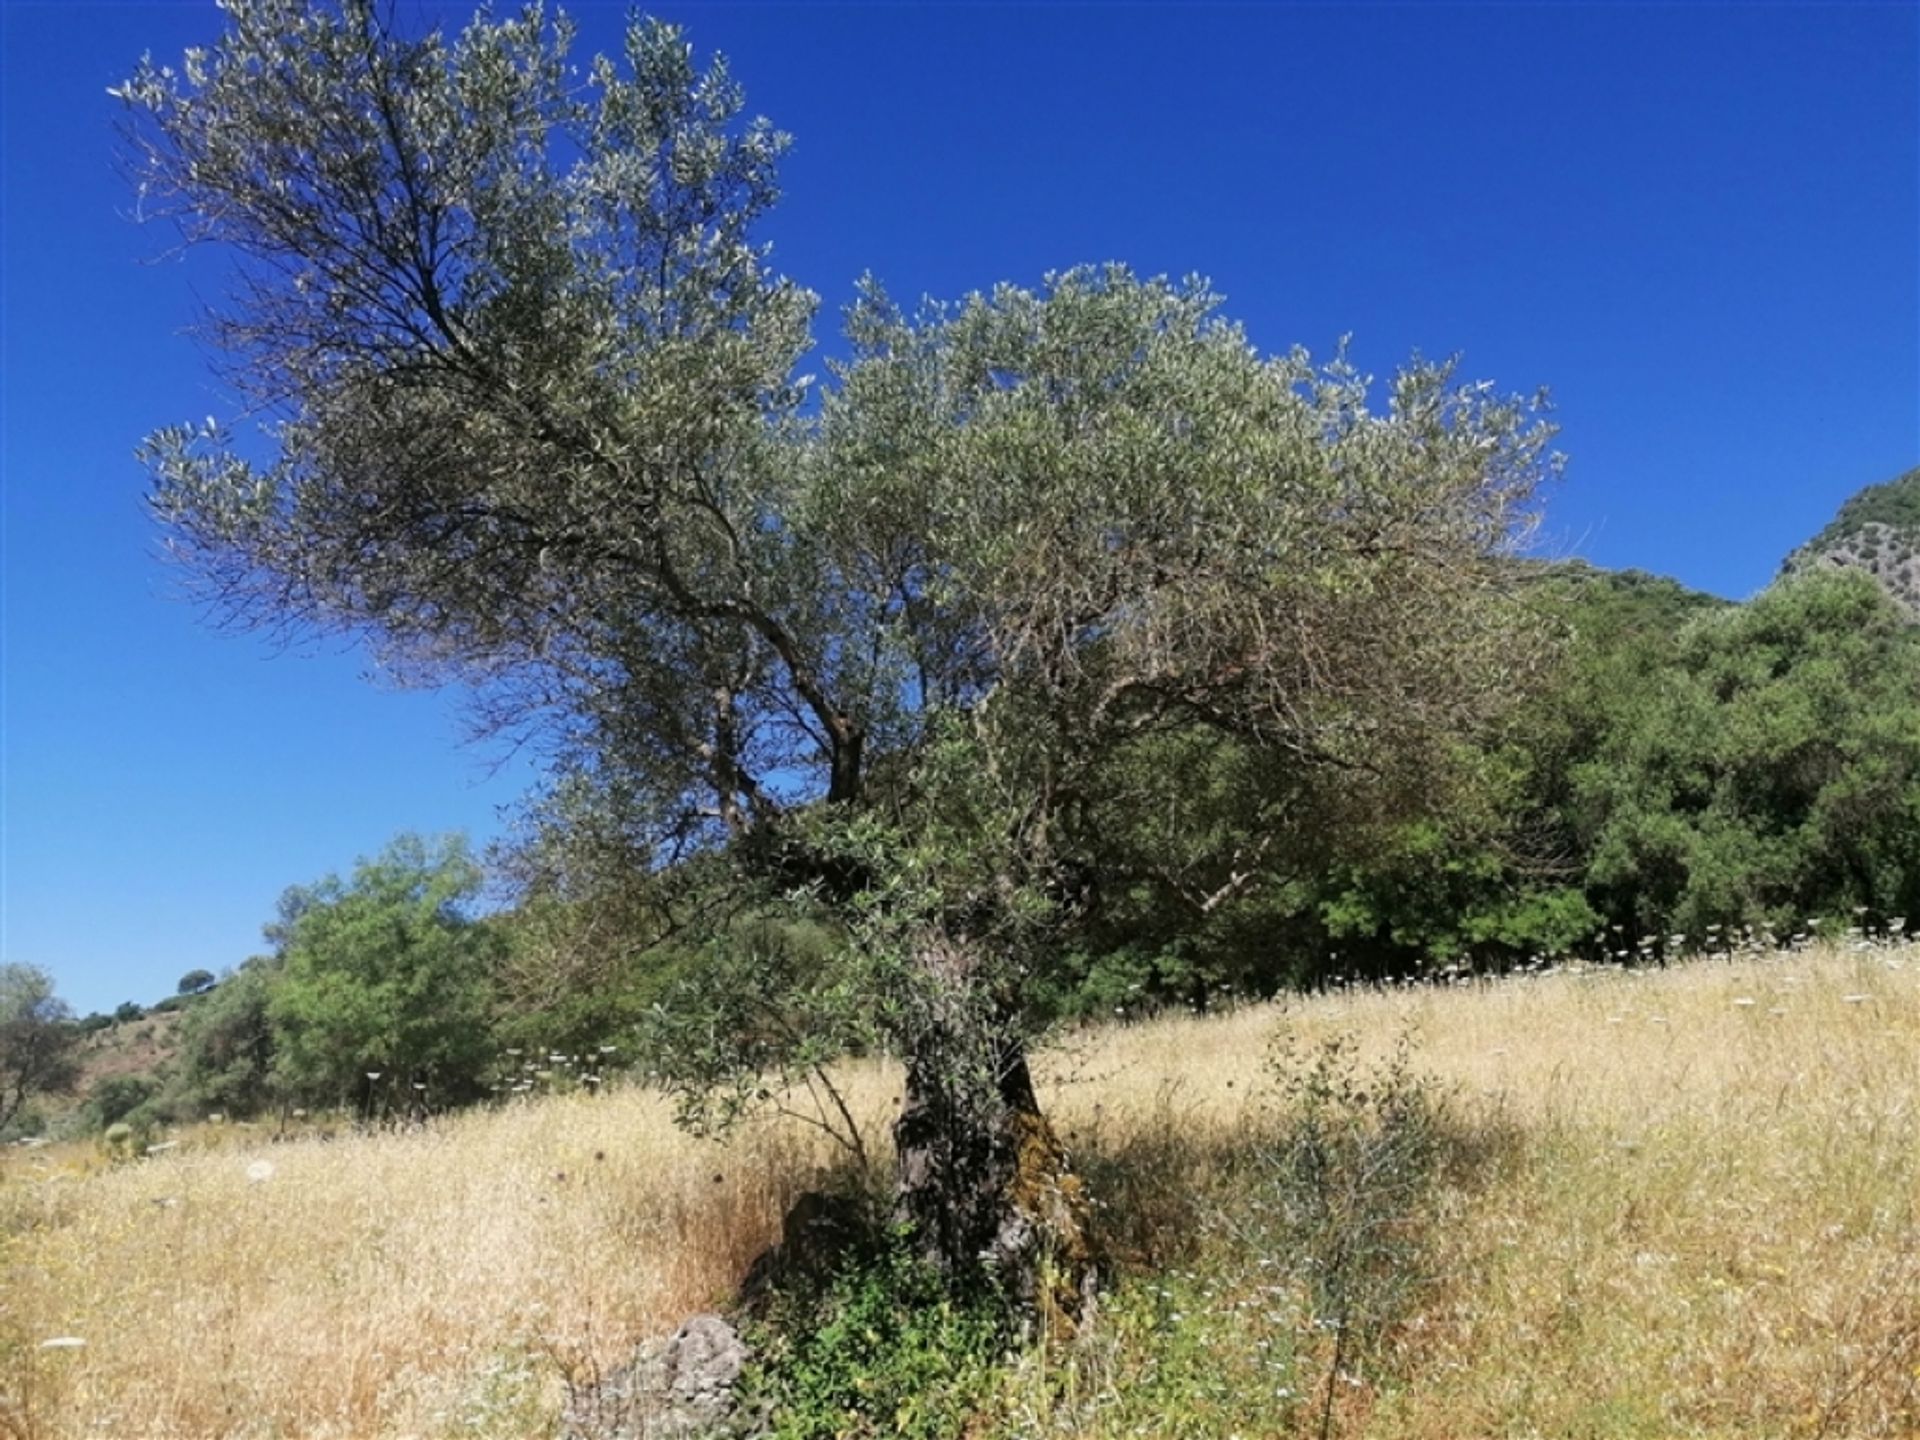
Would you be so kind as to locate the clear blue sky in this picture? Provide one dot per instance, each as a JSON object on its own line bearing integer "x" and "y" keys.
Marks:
{"x": 1699, "y": 224}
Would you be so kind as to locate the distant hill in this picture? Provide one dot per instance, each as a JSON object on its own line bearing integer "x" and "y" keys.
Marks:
{"x": 141, "y": 1047}
{"x": 1878, "y": 531}
{"x": 132, "y": 1047}
{"x": 1625, "y": 598}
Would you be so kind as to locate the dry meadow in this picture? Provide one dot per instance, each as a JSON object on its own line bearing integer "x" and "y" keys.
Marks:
{"x": 1699, "y": 1219}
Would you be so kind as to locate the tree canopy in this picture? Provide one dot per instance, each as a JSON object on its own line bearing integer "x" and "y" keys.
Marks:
{"x": 1773, "y": 775}
{"x": 539, "y": 429}
{"x": 383, "y": 982}
{"x": 37, "y": 1040}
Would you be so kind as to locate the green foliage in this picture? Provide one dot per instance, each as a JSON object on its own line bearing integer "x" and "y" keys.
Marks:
{"x": 881, "y": 1346}
{"x": 226, "y": 1051}
{"x": 118, "y": 1096}
{"x": 756, "y": 1019}
{"x": 1145, "y": 667}
{"x": 1432, "y": 900}
{"x": 1129, "y": 980}
{"x": 1688, "y": 764}
{"x": 196, "y": 982}
{"x": 1605, "y": 609}
{"x": 1771, "y": 774}
{"x": 550, "y": 998}
{"x": 1195, "y": 1353}
{"x": 128, "y": 1011}
{"x": 1253, "y": 1263}
{"x": 1500, "y": 877}
{"x": 120, "y": 1141}
{"x": 1192, "y": 838}
{"x": 584, "y": 966}
{"x": 561, "y": 453}
{"x": 1481, "y": 867}
{"x": 385, "y": 974}
{"x": 1347, "y": 1178}
{"x": 37, "y": 1040}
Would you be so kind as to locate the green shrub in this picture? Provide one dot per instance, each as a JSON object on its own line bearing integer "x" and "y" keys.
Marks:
{"x": 1348, "y": 1187}
{"x": 118, "y": 1096}
{"x": 881, "y": 1346}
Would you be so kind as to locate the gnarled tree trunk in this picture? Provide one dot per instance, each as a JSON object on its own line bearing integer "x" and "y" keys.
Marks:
{"x": 982, "y": 1178}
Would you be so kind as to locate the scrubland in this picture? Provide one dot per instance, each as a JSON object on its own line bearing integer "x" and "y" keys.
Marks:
{"x": 1641, "y": 1203}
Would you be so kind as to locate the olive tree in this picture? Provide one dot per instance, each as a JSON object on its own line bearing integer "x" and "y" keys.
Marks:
{"x": 536, "y": 428}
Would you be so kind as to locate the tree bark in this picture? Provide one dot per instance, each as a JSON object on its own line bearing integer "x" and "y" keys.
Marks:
{"x": 982, "y": 1179}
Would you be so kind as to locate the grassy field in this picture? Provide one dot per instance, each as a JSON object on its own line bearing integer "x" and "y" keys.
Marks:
{"x": 1657, "y": 1203}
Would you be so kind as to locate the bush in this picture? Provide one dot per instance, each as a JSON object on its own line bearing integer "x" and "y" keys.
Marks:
{"x": 880, "y": 1346}
{"x": 127, "y": 1139}
{"x": 1348, "y": 1189}
{"x": 118, "y": 1096}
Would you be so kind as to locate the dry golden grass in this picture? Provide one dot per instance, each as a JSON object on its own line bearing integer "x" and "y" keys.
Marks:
{"x": 1710, "y": 1228}
{"x": 424, "y": 1283}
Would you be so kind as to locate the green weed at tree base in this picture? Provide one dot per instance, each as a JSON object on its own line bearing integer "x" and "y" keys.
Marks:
{"x": 883, "y": 1345}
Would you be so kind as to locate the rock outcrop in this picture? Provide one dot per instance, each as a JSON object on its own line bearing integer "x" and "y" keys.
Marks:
{"x": 1878, "y": 531}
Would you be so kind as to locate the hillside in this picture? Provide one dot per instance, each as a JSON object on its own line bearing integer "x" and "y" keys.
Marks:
{"x": 1877, "y": 530}
{"x": 130, "y": 1047}
{"x": 1629, "y": 1204}
{"x": 138, "y": 1050}
{"x": 1625, "y": 601}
